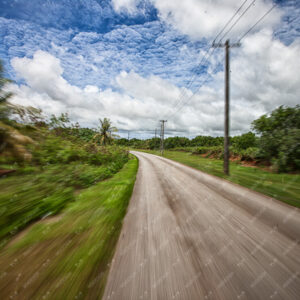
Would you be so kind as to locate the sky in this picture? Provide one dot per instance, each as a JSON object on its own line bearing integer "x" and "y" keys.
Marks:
{"x": 140, "y": 61}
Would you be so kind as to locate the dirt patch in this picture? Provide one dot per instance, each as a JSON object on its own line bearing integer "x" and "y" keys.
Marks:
{"x": 51, "y": 219}
{"x": 4, "y": 172}
{"x": 21, "y": 234}
{"x": 235, "y": 158}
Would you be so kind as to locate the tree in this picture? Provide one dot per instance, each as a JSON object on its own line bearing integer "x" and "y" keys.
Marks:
{"x": 174, "y": 142}
{"x": 208, "y": 141}
{"x": 244, "y": 141}
{"x": 29, "y": 114}
{"x": 280, "y": 137}
{"x": 11, "y": 140}
{"x": 4, "y": 96}
{"x": 62, "y": 121}
{"x": 154, "y": 143}
{"x": 105, "y": 134}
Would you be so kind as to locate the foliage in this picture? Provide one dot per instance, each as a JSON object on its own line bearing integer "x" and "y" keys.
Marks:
{"x": 250, "y": 154}
{"x": 284, "y": 187}
{"x": 75, "y": 245}
{"x": 60, "y": 163}
{"x": 207, "y": 141}
{"x": 244, "y": 141}
{"x": 177, "y": 141}
{"x": 214, "y": 151}
{"x": 28, "y": 114}
{"x": 105, "y": 134}
{"x": 154, "y": 143}
{"x": 280, "y": 138}
{"x": 122, "y": 142}
{"x": 84, "y": 134}
{"x": 277, "y": 143}
{"x": 61, "y": 121}
{"x": 4, "y": 96}
{"x": 12, "y": 142}
{"x": 28, "y": 195}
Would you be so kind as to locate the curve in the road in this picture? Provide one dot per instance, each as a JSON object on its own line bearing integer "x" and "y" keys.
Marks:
{"x": 190, "y": 235}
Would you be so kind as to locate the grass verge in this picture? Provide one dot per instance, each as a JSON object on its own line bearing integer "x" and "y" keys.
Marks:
{"x": 34, "y": 192}
{"x": 68, "y": 257}
{"x": 284, "y": 187}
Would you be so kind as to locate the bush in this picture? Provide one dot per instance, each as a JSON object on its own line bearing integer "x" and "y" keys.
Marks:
{"x": 244, "y": 141}
{"x": 214, "y": 151}
{"x": 250, "y": 154}
{"x": 280, "y": 138}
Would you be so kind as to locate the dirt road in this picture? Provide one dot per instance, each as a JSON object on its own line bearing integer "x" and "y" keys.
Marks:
{"x": 189, "y": 235}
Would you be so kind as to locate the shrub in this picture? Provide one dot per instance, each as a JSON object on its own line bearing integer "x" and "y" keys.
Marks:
{"x": 214, "y": 151}
{"x": 280, "y": 138}
{"x": 250, "y": 154}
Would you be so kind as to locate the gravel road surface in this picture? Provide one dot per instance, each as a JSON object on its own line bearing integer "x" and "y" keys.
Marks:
{"x": 189, "y": 235}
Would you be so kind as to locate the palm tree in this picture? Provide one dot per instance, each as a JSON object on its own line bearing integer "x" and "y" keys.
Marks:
{"x": 105, "y": 134}
{"x": 11, "y": 140}
{"x": 4, "y": 96}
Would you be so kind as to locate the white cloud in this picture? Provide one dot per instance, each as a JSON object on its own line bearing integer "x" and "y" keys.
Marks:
{"x": 265, "y": 71}
{"x": 152, "y": 88}
{"x": 47, "y": 89}
{"x": 264, "y": 74}
{"x": 43, "y": 73}
{"x": 205, "y": 18}
{"x": 129, "y": 5}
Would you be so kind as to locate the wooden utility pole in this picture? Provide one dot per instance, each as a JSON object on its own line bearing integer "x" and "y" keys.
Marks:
{"x": 227, "y": 47}
{"x": 128, "y": 135}
{"x": 155, "y": 132}
{"x": 226, "y": 124}
{"x": 162, "y": 133}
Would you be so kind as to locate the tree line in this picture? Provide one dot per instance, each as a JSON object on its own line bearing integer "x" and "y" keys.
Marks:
{"x": 274, "y": 140}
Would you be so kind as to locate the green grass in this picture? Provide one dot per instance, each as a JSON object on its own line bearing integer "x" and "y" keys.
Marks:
{"x": 72, "y": 254}
{"x": 284, "y": 187}
{"x": 33, "y": 192}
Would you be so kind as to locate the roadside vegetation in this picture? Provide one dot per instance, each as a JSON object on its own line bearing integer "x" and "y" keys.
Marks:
{"x": 68, "y": 256}
{"x": 64, "y": 194}
{"x": 45, "y": 162}
{"x": 284, "y": 187}
{"x": 60, "y": 165}
{"x": 266, "y": 160}
{"x": 274, "y": 143}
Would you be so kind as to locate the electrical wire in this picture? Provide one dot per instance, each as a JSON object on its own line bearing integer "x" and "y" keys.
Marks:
{"x": 230, "y": 21}
{"x": 183, "y": 93}
{"x": 259, "y": 20}
{"x": 237, "y": 20}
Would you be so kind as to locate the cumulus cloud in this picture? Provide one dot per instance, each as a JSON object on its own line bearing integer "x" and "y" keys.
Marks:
{"x": 151, "y": 88}
{"x": 263, "y": 76}
{"x": 265, "y": 71}
{"x": 43, "y": 73}
{"x": 47, "y": 89}
{"x": 205, "y": 18}
{"x": 127, "y": 5}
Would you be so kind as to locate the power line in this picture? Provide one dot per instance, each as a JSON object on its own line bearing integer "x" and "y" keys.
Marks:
{"x": 229, "y": 21}
{"x": 259, "y": 20}
{"x": 209, "y": 53}
{"x": 183, "y": 93}
{"x": 237, "y": 20}
{"x": 192, "y": 96}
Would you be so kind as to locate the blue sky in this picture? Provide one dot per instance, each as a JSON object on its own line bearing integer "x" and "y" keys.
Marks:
{"x": 113, "y": 51}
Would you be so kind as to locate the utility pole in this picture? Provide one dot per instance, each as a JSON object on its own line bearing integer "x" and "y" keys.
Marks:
{"x": 227, "y": 47}
{"x": 128, "y": 135}
{"x": 162, "y": 133}
{"x": 155, "y": 133}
